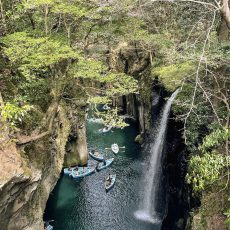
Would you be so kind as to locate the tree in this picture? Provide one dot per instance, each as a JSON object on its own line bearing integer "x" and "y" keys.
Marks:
{"x": 56, "y": 49}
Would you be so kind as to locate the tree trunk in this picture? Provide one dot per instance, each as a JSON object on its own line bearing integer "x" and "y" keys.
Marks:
{"x": 1, "y": 100}
{"x": 222, "y": 31}
{"x": 2, "y": 18}
{"x": 46, "y": 18}
{"x": 225, "y": 12}
{"x": 31, "y": 20}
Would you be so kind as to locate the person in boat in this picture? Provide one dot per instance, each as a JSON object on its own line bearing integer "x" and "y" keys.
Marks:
{"x": 108, "y": 180}
{"x": 104, "y": 162}
{"x": 93, "y": 152}
{"x": 69, "y": 168}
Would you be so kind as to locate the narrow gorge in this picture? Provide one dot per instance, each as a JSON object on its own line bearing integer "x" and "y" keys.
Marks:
{"x": 114, "y": 115}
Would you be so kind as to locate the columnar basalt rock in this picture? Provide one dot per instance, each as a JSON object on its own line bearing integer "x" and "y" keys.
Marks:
{"x": 130, "y": 59}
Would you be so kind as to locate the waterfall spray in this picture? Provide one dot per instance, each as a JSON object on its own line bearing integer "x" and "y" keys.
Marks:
{"x": 149, "y": 205}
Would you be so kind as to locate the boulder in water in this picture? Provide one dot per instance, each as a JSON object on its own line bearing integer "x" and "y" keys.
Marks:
{"x": 139, "y": 139}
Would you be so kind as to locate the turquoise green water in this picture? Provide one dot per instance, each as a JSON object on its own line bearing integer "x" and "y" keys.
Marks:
{"x": 84, "y": 204}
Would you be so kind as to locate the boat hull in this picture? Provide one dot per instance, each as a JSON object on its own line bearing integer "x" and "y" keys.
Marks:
{"x": 115, "y": 148}
{"x": 107, "y": 188}
{"x": 105, "y": 107}
{"x": 106, "y": 129}
{"x": 81, "y": 174}
{"x": 101, "y": 166}
{"x": 68, "y": 171}
{"x": 97, "y": 158}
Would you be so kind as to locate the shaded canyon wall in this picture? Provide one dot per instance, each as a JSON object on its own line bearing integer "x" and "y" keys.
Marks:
{"x": 30, "y": 171}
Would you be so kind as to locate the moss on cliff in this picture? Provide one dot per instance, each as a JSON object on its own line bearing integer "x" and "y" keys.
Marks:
{"x": 214, "y": 202}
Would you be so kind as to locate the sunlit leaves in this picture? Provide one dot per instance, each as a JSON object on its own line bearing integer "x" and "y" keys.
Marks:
{"x": 111, "y": 118}
{"x": 121, "y": 84}
{"x": 88, "y": 68}
{"x": 31, "y": 4}
{"x": 12, "y": 113}
{"x": 205, "y": 170}
{"x": 32, "y": 53}
{"x": 99, "y": 100}
{"x": 215, "y": 139}
{"x": 68, "y": 8}
{"x": 172, "y": 76}
{"x": 57, "y": 6}
{"x": 115, "y": 83}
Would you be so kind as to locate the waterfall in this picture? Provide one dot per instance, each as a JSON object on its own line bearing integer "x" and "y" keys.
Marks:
{"x": 153, "y": 174}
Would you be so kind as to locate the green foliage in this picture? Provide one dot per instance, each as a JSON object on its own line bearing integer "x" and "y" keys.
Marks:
{"x": 99, "y": 100}
{"x": 89, "y": 69}
{"x": 77, "y": 11}
{"x": 214, "y": 139}
{"x": 205, "y": 170}
{"x": 32, "y": 4}
{"x": 112, "y": 118}
{"x": 30, "y": 53}
{"x": 219, "y": 55}
{"x": 121, "y": 84}
{"x": 57, "y": 6}
{"x": 173, "y": 75}
{"x": 12, "y": 113}
{"x": 115, "y": 83}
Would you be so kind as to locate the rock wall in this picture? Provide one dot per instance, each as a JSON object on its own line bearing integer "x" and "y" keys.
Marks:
{"x": 130, "y": 59}
{"x": 212, "y": 206}
{"x": 29, "y": 172}
{"x": 175, "y": 169}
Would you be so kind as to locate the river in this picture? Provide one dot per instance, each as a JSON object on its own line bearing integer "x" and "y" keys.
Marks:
{"x": 84, "y": 204}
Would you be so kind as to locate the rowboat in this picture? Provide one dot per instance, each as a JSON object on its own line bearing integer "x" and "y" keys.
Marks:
{"x": 106, "y": 129}
{"x": 48, "y": 226}
{"x": 69, "y": 170}
{"x": 109, "y": 182}
{"x": 103, "y": 165}
{"x": 105, "y": 107}
{"x": 96, "y": 155}
{"x": 115, "y": 148}
{"x": 82, "y": 173}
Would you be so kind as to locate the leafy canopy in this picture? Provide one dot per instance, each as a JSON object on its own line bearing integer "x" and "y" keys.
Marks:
{"x": 33, "y": 53}
{"x": 205, "y": 170}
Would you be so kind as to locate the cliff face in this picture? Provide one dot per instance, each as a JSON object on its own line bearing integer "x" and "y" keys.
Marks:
{"x": 30, "y": 171}
{"x": 210, "y": 214}
{"x": 130, "y": 59}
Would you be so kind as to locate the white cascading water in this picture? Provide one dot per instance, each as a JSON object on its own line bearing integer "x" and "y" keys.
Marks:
{"x": 149, "y": 205}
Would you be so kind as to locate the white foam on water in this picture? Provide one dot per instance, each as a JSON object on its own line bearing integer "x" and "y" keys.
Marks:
{"x": 147, "y": 217}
